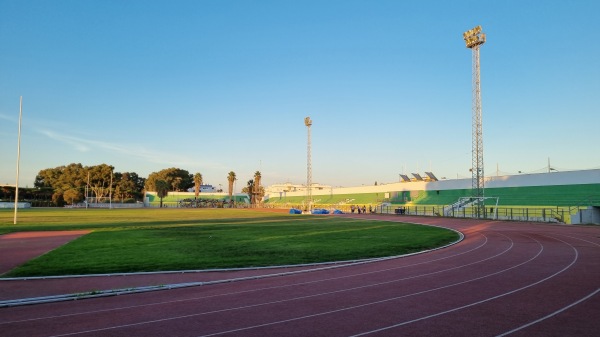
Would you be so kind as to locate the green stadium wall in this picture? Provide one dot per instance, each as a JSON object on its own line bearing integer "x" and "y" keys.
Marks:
{"x": 565, "y": 189}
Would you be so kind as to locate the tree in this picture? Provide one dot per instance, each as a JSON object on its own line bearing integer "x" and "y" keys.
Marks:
{"x": 57, "y": 199}
{"x": 254, "y": 192}
{"x": 76, "y": 176}
{"x": 197, "y": 183}
{"x": 231, "y": 179}
{"x": 177, "y": 179}
{"x": 72, "y": 196}
{"x": 139, "y": 183}
{"x": 249, "y": 190}
{"x": 73, "y": 176}
{"x": 162, "y": 190}
{"x": 175, "y": 183}
{"x": 100, "y": 180}
{"x": 7, "y": 192}
{"x": 256, "y": 187}
{"x": 257, "y": 177}
{"x": 62, "y": 179}
{"x": 48, "y": 177}
{"x": 127, "y": 186}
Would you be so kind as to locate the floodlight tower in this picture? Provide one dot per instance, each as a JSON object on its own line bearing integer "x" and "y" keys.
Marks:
{"x": 308, "y": 123}
{"x": 474, "y": 38}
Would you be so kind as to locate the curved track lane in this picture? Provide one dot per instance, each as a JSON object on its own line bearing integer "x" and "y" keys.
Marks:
{"x": 505, "y": 278}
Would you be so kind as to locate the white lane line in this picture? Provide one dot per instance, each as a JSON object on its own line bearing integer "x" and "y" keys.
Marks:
{"x": 478, "y": 302}
{"x": 373, "y": 303}
{"x": 552, "y": 314}
{"x": 485, "y": 242}
{"x": 307, "y": 296}
{"x": 580, "y": 239}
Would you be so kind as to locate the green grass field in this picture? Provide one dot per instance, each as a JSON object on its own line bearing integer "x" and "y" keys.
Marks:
{"x": 134, "y": 240}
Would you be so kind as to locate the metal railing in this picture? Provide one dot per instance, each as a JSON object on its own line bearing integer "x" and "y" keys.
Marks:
{"x": 500, "y": 213}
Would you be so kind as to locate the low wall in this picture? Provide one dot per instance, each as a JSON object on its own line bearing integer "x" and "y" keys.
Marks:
{"x": 590, "y": 215}
{"x": 11, "y": 204}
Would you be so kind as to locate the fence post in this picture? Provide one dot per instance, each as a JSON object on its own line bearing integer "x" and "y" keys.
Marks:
{"x": 544, "y": 214}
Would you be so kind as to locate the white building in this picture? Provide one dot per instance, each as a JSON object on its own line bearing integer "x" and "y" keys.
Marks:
{"x": 204, "y": 189}
{"x": 289, "y": 187}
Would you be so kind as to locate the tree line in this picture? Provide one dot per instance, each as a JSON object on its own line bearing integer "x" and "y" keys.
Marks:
{"x": 70, "y": 184}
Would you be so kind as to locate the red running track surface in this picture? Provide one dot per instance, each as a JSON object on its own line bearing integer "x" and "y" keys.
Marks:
{"x": 18, "y": 248}
{"x": 504, "y": 278}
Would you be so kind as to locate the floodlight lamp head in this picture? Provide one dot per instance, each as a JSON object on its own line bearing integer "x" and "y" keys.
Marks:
{"x": 307, "y": 121}
{"x": 474, "y": 37}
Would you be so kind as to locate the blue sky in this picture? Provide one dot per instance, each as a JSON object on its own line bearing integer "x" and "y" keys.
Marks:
{"x": 219, "y": 86}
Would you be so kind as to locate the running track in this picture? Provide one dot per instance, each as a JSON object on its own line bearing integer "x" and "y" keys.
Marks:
{"x": 504, "y": 278}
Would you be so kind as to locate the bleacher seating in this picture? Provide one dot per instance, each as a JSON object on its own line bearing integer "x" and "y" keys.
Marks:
{"x": 335, "y": 199}
{"x": 558, "y": 195}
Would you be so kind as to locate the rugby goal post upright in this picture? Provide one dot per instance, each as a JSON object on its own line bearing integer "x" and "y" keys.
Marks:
{"x": 474, "y": 39}
{"x": 18, "y": 160}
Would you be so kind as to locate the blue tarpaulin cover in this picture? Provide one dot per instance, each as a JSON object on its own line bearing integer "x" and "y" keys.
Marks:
{"x": 320, "y": 211}
{"x": 295, "y": 211}
{"x": 337, "y": 211}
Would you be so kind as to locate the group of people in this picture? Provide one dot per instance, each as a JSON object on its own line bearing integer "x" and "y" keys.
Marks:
{"x": 360, "y": 210}
{"x": 200, "y": 203}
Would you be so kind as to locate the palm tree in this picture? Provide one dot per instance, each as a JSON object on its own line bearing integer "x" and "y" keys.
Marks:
{"x": 197, "y": 183}
{"x": 256, "y": 187}
{"x": 231, "y": 179}
{"x": 162, "y": 190}
{"x": 249, "y": 189}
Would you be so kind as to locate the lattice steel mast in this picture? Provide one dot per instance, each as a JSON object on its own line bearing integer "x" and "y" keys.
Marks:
{"x": 474, "y": 38}
{"x": 308, "y": 123}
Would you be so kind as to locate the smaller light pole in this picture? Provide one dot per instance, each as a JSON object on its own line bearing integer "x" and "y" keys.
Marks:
{"x": 308, "y": 123}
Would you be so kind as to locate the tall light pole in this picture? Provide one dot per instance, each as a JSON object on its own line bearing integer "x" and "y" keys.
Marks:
{"x": 18, "y": 160}
{"x": 474, "y": 38}
{"x": 308, "y": 123}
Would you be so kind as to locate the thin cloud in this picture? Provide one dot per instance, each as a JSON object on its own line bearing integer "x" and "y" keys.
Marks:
{"x": 8, "y": 118}
{"x": 130, "y": 150}
{"x": 78, "y": 144}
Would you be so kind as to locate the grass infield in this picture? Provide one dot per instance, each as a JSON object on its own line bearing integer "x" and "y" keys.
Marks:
{"x": 135, "y": 240}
